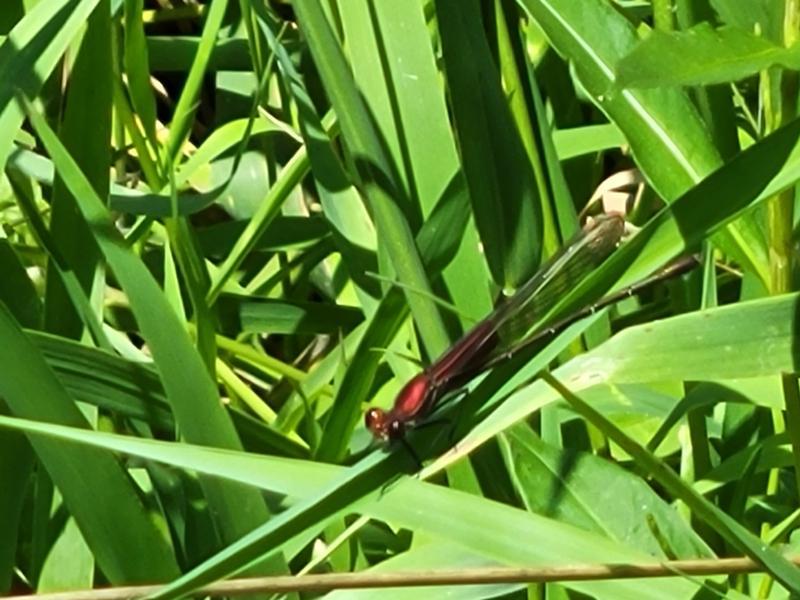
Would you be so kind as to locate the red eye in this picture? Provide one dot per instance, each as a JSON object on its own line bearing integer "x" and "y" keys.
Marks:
{"x": 375, "y": 420}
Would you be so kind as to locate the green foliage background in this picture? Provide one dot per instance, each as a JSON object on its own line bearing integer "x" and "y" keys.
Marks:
{"x": 227, "y": 226}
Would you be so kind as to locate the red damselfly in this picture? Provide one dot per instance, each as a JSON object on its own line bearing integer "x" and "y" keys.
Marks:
{"x": 497, "y": 336}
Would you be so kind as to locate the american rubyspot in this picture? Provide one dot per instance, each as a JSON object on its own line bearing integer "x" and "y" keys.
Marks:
{"x": 490, "y": 339}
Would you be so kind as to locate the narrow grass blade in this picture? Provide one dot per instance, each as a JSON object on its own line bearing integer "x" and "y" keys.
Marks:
{"x": 733, "y": 532}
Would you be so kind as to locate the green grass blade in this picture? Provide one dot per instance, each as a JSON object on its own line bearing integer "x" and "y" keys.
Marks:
{"x": 449, "y": 516}
{"x": 507, "y": 210}
{"x": 29, "y": 54}
{"x": 669, "y": 140}
{"x": 377, "y": 178}
{"x": 697, "y": 215}
{"x": 778, "y": 566}
{"x": 138, "y": 70}
{"x": 189, "y": 388}
{"x": 85, "y": 130}
{"x": 98, "y": 492}
{"x": 185, "y": 109}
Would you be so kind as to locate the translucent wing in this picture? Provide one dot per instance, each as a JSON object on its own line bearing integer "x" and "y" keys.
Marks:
{"x": 512, "y": 320}
{"x": 581, "y": 255}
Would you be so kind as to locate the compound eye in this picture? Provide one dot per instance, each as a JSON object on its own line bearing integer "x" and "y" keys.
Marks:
{"x": 374, "y": 419}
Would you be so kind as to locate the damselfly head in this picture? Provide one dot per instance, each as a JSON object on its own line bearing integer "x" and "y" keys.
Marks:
{"x": 383, "y": 425}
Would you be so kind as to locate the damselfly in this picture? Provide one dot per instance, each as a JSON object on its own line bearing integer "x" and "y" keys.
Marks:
{"x": 498, "y": 334}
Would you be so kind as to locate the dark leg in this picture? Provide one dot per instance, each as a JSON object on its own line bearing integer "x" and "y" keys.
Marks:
{"x": 413, "y": 454}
